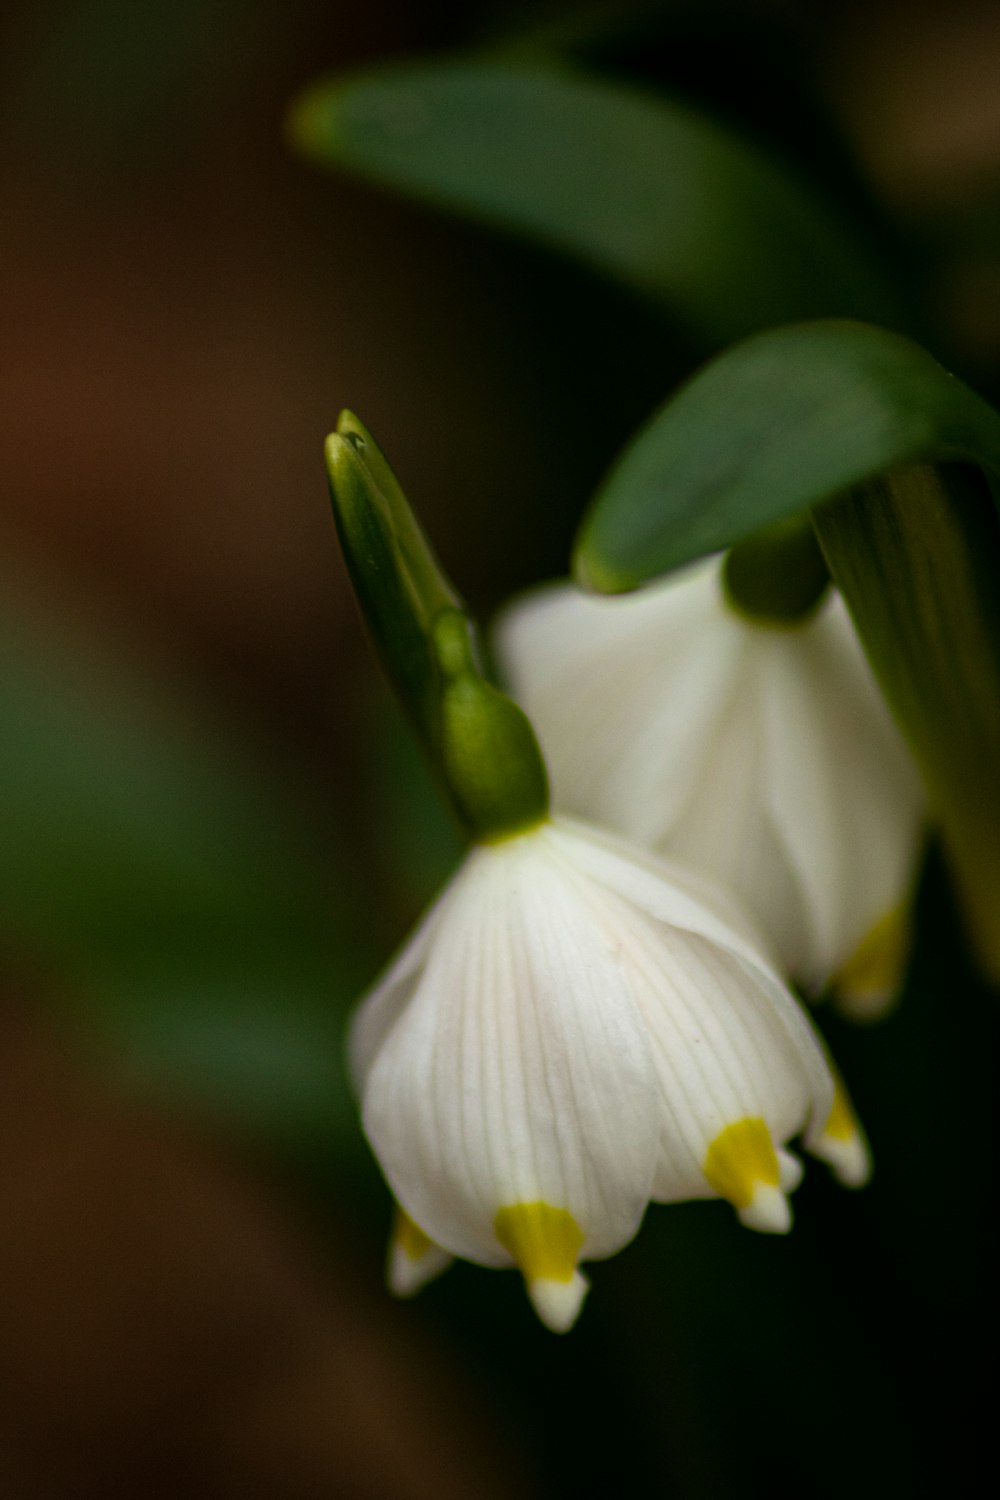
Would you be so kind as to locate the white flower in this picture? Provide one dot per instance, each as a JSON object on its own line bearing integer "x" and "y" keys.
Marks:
{"x": 575, "y": 1028}
{"x": 761, "y": 755}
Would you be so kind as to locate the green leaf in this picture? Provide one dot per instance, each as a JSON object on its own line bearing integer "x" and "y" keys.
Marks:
{"x": 699, "y": 221}
{"x": 779, "y": 424}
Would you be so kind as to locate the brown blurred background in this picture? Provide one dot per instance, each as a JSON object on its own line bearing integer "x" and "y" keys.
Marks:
{"x": 190, "y": 1294}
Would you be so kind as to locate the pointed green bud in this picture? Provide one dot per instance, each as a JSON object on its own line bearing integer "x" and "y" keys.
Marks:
{"x": 489, "y": 754}
{"x": 479, "y": 740}
{"x": 778, "y": 576}
{"x": 429, "y": 582}
{"x": 399, "y": 583}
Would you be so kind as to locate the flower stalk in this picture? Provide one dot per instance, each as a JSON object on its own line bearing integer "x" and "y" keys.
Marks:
{"x": 915, "y": 554}
{"x": 778, "y": 576}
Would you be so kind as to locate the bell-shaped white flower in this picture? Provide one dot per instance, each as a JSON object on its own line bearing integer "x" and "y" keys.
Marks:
{"x": 761, "y": 755}
{"x": 575, "y": 1028}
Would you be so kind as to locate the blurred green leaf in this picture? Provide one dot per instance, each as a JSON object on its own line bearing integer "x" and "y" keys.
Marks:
{"x": 696, "y": 219}
{"x": 158, "y": 877}
{"x": 779, "y": 424}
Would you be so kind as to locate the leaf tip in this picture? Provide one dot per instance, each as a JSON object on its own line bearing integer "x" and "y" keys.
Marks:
{"x": 594, "y": 575}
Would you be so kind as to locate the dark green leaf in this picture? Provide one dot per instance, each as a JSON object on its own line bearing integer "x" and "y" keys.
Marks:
{"x": 701, "y": 222}
{"x": 777, "y": 425}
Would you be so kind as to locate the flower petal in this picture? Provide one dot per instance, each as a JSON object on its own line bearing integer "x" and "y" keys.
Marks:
{"x": 558, "y": 1303}
{"x": 726, "y": 827}
{"x": 726, "y": 1053}
{"x": 624, "y": 693}
{"x": 842, "y": 791}
{"x": 867, "y": 986}
{"x": 672, "y": 893}
{"x": 380, "y": 1009}
{"x": 414, "y": 1259}
{"x": 762, "y": 756}
{"x": 841, "y": 1143}
{"x": 546, "y": 1244}
{"x": 742, "y": 1166}
{"x": 730, "y": 1042}
{"x": 520, "y": 1071}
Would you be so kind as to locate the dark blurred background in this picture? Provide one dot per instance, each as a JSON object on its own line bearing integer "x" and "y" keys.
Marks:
{"x": 215, "y": 829}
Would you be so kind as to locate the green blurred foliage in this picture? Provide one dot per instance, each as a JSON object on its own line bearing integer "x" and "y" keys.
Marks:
{"x": 693, "y": 217}
{"x": 158, "y": 879}
{"x": 782, "y": 422}
{"x": 104, "y": 85}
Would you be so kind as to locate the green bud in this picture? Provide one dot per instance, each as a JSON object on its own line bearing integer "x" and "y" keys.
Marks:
{"x": 479, "y": 741}
{"x": 400, "y": 586}
{"x": 779, "y": 576}
{"x": 489, "y": 754}
{"x": 430, "y": 585}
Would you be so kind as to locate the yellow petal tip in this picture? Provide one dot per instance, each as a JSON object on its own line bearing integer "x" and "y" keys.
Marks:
{"x": 544, "y": 1241}
{"x": 742, "y": 1166}
{"x": 414, "y": 1258}
{"x": 868, "y": 985}
{"x": 842, "y": 1144}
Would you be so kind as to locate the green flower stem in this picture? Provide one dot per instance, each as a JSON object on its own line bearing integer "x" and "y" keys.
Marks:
{"x": 916, "y": 554}
{"x": 779, "y": 576}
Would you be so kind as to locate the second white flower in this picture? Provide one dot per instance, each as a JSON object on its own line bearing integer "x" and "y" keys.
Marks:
{"x": 763, "y": 756}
